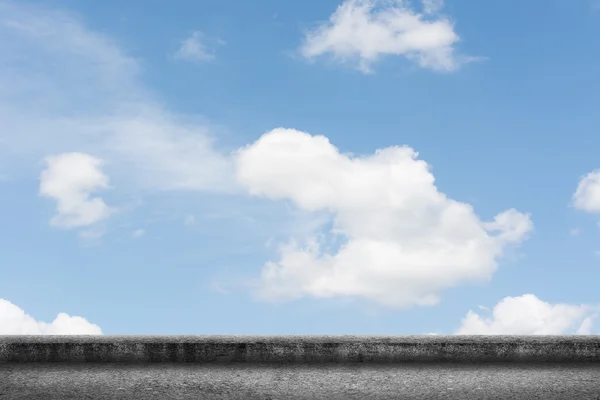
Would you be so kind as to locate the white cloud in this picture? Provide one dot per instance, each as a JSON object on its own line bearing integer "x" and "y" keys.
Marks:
{"x": 528, "y": 315}
{"x": 14, "y": 321}
{"x": 65, "y": 88}
{"x": 196, "y": 48}
{"x": 363, "y": 31}
{"x": 138, "y": 233}
{"x": 70, "y": 179}
{"x": 587, "y": 195}
{"x": 401, "y": 240}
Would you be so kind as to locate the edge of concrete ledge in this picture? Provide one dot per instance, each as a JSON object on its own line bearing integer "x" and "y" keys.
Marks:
{"x": 299, "y": 349}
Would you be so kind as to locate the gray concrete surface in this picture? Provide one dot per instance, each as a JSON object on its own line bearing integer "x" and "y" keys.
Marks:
{"x": 299, "y": 367}
{"x": 298, "y": 349}
{"x": 48, "y": 381}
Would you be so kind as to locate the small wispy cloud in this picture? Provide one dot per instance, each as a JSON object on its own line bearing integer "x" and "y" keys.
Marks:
{"x": 216, "y": 287}
{"x": 138, "y": 233}
{"x": 198, "y": 47}
{"x": 432, "y": 6}
{"x": 189, "y": 220}
{"x": 91, "y": 235}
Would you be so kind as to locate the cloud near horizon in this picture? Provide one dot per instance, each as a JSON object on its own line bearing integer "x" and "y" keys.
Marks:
{"x": 14, "y": 321}
{"x": 523, "y": 315}
{"x": 528, "y": 315}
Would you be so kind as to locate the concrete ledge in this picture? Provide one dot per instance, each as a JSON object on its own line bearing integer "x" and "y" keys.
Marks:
{"x": 299, "y": 349}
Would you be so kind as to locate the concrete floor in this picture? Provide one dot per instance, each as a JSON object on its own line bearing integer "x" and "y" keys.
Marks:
{"x": 251, "y": 381}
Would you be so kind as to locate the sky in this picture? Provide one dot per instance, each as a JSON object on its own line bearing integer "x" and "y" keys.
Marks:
{"x": 364, "y": 167}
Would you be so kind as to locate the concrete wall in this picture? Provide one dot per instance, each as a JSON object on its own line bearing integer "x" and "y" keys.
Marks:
{"x": 299, "y": 349}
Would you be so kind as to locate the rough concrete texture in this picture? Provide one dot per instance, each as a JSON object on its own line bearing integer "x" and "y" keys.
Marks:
{"x": 91, "y": 381}
{"x": 299, "y": 367}
{"x": 299, "y": 349}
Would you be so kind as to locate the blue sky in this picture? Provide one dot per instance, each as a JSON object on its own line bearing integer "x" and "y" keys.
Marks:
{"x": 332, "y": 167}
